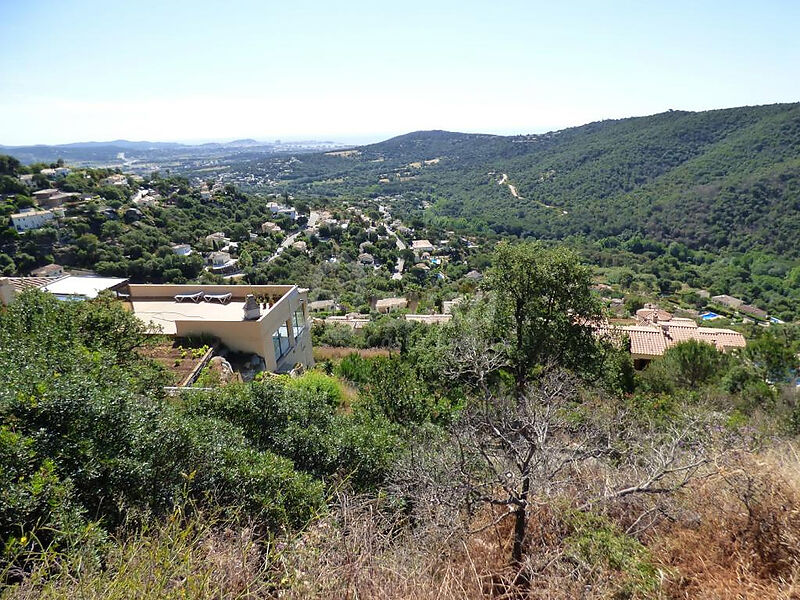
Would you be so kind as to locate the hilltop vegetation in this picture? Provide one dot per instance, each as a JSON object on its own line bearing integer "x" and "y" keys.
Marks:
{"x": 715, "y": 180}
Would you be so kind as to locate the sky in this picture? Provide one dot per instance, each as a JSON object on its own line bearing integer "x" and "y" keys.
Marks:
{"x": 353, "y": 71}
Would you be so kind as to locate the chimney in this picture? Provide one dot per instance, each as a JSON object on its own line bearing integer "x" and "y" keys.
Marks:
{"x": 7, "y": 292}
{"x": 252, "y": 311}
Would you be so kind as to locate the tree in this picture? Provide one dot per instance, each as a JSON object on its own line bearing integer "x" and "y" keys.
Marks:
{"x": 772, "y": 355}
{"x": 543, "y": 308}
{"x": 508, "y": 454}
{"x": 693, "y": 363}
{"x": 8, "y": 165}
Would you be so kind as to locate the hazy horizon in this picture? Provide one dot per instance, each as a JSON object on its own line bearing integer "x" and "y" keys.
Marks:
{"x": 185, "y": 70}
{"x": 342, "y": 140}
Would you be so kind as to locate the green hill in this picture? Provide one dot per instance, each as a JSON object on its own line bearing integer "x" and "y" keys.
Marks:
{"x": 722, "y": 179}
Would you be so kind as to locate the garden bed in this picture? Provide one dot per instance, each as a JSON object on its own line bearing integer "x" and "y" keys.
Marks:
{"x": 179, "y": 356}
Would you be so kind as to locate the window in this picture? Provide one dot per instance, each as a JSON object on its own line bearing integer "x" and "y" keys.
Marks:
{"x": 280, "y": 341}
{"x": 298, "y": 321}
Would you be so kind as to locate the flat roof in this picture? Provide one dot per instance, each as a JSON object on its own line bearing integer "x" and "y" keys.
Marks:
{"x": 165, "y": 312}
{"x": 86, "y": 287}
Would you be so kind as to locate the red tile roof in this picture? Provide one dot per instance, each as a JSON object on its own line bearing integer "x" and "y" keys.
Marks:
{"x": 650, "y": 341}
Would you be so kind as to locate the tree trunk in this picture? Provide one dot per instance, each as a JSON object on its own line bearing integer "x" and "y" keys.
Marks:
{"x": 522, "y": 580}
{"x": 520, "y": 522}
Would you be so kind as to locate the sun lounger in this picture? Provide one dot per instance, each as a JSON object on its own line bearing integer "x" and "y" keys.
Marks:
{"x": 221, "y": 298}
{"x": 196, "y": 297}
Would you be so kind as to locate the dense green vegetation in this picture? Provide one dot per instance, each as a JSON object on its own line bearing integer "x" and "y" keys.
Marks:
{"x": 512, "y": 406}
{"x": 724, "y": 179}
{"x": 705, "y": 199}
{"x": 664, "y": 206}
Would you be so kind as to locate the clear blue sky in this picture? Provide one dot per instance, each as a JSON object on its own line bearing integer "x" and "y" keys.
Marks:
{"x": 199, "y": 70}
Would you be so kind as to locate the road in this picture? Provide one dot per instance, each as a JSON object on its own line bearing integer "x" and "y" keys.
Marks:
{"x": 400, "y": 243}
{"x": 513, "y": 189}
{"x": 401, "y": 263}
{"x": 312, "y": 221}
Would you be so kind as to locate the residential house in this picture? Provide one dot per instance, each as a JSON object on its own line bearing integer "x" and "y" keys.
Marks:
{"x": 323, "y": 306}
{"x": 279, "y": 209}
{"x": 269, "y": 321}
{"x": 650, "y": 341}
{"x": 65, "y": 287}
{"x": 651, "y": 314}
{"x": 753, "y": 311}
{"x": 115, "y": 180}
{"x": 146, "y": 198}
{"x": 421, "y": 247}
{"x": 473, "y": 276}
{"x": 51, "y": 270}
{"x": 58, "y": 199}
{"x": 270, "y": 227}
{"x": 387, "y": 305}
{"x": 42, "y": 195}
{"x": 31, "y": 219}
{"x": 352, "y": 320}
{"x": 728, "y": 301}
{"x": 217, "y": 239}
{"x": 366, "y": 259}
{"x": 182, "y": 249}
{"x": 27, "y": 180}
{"x": 429, "y": 319}
{"x": 222, "y": 263}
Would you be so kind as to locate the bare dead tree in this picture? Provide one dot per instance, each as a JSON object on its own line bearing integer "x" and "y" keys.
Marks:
{"x": 517, "y": 453}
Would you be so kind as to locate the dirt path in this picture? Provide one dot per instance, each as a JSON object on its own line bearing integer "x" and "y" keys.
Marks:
{"x": 513, "y": 189}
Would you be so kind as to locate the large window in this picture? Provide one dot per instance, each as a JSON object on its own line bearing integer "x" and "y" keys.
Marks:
{"x": 280, "y": 340}
{"x": 298, "y": 321}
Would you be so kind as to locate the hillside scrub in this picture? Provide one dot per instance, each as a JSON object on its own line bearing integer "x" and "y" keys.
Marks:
{"x": 482, "y": 461}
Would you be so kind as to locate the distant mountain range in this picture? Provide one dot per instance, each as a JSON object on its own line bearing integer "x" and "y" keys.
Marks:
{"x": 106, "y": 152}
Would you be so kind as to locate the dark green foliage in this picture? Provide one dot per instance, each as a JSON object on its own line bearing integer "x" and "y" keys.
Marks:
{"x": 394, "y": 390}
{"x": 773, "y": 353}
{"x": 596, "y": 541}
{"x": 8, "y": 165}
{"x": 543, "y": 308}
{"x": 354, "y": 368}
{"x": 87, "y": 433}
{"x": 694, "y": 363}
{"x": 302, "y": 420}
{"x": 688, "y": 365}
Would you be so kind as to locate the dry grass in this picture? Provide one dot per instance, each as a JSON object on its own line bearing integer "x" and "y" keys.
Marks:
{"x": 182, "y": 558}
{"x": 335, "y": 353}
{"x": 734, "y": 535}
{"x": 741, "y": 535}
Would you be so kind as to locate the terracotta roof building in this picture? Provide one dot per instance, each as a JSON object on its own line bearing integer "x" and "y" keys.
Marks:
{"x": 649, "y": 341}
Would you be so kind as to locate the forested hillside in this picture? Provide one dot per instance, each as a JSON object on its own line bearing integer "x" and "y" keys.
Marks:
{"x": 723, "y": 179}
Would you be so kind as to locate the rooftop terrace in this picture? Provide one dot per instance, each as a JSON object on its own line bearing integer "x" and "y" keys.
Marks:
{"x": 156, "y": 304}
{"x": 164, "y": 313}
